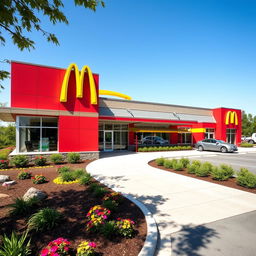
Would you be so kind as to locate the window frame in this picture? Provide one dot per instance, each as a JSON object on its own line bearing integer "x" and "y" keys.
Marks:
{"x": 41, "y": 127}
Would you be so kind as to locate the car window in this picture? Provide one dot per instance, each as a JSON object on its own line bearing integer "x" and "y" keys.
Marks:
{"x": 207, "y": 140}
{"x": 213, "y": 141}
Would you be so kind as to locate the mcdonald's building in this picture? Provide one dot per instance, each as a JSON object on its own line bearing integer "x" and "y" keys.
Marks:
{"x": 64, "y": 110}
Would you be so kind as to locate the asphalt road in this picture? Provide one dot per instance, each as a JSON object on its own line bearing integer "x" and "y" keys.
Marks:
{"x": 233, "y": 236}
{"x": 236, "y": 160}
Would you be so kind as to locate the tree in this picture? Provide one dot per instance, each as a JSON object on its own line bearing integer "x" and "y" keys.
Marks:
{"x": 7, "y": 136}
{"x": 20, "y": 17}
{"x": 248, "y": 124}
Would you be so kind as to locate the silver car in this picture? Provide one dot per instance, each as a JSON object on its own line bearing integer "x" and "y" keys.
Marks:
{"x": 215, "y": 145}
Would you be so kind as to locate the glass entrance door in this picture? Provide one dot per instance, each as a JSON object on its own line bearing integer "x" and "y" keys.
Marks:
{"x": 108, "y": 141}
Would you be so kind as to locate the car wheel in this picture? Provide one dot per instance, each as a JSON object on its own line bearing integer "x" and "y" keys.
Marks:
{"x": 224, "y": 150}
{"x": 200, "y": 148}
{"x": 251, "y": 141}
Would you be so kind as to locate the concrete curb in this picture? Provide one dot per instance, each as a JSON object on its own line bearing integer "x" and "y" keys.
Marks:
{"x": 150, "y": 244}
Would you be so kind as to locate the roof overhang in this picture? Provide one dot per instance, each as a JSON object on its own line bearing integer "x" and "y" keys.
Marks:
{"x": 9, "y": 114}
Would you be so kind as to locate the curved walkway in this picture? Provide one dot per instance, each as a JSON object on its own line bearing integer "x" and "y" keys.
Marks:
{"x": 176, "y": 201}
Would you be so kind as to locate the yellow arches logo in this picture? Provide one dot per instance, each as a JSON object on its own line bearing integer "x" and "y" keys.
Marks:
{"x": 231, "y": 118}
{"x": 79, "y": 83}
{"x": 79, "y": 76}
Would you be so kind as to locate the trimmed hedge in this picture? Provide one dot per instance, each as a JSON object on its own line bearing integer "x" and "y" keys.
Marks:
{"x": 170, "y": 148}
{"x": 246, "y": 145}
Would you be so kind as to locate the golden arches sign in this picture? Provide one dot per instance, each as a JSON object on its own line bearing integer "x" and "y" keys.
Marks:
{"x": 231, "y": 118}
{"x": 79, "y": 76}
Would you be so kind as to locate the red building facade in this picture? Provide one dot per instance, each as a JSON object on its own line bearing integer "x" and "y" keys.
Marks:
{"x": 46, "y": 123}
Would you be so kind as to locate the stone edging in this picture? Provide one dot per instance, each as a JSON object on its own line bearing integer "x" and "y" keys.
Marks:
{"x": 150, "y": 243}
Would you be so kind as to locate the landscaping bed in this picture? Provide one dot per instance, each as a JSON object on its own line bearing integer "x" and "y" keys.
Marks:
{"x": 73, "y": 201}
{"x": 230, "y": 182}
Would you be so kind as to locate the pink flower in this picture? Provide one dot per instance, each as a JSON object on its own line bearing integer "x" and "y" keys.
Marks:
{"x": 65, "y": 248}
{"x": 104, "y": 217}
{"x": 54, "y": 248}
{"x": 44, "y": 252}
{"x": 92, "y": 244}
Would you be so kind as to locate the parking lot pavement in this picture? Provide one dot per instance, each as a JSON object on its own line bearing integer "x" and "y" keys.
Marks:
{"x": 230, "y": 236}
{"x": 236, "y": 160}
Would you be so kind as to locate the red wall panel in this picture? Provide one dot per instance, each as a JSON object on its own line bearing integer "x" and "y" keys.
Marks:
{"x": 39, "y": 87}
{"x": 78, "y": 133}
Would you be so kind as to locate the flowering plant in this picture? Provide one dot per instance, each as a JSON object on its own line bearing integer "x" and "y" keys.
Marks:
{"x": 40, "y": 160}
{"x": 86, "y": 248}
{"x": 96, "y": 217}
{"x": 58, "y": 247}
{"x": 125, "y": 227}
{"x": 4, "y": 164}
{"x": 24, "y": 175}
{"x": 114, "y": 196}
{"x": 39, "y": 179}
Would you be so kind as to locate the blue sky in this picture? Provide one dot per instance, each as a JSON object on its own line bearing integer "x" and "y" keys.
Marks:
{"x": 186, "y": 52}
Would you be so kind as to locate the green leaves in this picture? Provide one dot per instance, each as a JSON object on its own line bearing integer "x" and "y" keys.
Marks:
{"x": 20, "y": 17}
{"x": 15, "y": 245}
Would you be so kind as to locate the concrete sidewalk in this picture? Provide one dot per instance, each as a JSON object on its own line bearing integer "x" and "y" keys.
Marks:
{"x": 176, "y": 201}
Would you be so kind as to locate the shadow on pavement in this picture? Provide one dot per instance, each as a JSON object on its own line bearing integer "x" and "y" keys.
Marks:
{"x": 191, "y": 239}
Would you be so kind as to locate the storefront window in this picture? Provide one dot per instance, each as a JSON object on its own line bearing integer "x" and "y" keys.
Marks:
{"x": 37, "y": 134}
{"x": 231, "y": 136}
{"x": 185, "y": 138}
{"x": 209, "y": 133}
{"x": 119, "y": 140}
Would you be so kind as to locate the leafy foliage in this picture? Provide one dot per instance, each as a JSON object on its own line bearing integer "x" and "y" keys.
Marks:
{"x": 20, "y": 161}
{"x": 85, "y": 179}
{"x": 4, "y": 153}
{"x": 248, "y": 124}
{"x": 73, "y": 157}
{"x": 21, "y": 17}
{"x": 204, "y": 169}
{"x": 20, "y": 207}
{"x": 15, "y": 245}
{"x": 8, "y": 133}
{"x": 109, "y": 229}
{"x": 23, "y": 175}
{"x": 56, "y": 158}
{"x": 160, "y": 161}
{"x": 224, "y": 172}
{"x": 246, "y": 178}
{"x": 44, "y": 219}
{"x": 40, "y": 161}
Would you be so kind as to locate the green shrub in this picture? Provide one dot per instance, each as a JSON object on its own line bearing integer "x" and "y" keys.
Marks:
{"x": 94, "y": 186}
{"x": 192, "y": 168}
{"x": 109, "y": 229}
{"x": 110, "y": 204}
{"x": 40, "y": 161}
{"x": 78, "y": 173}
{"x": 177, "y": 166}
{"x": 85, "y": 179}
{"x": 20, "y": 207}
{"x": 39, "y": 179}
{"x": 125, "y": 227}
{"x": 15, "y": 245}
{"x": 67, "y": 176}
{"x": 44, "y": 219}
{"x": 224, "y": 172}
{"x": 20, "y": 161}
{"x": 168, "y": 163}
{"x": 4, "y": 153}
{"x": 246, "y": 145}
{"x": 56, "y": 158}
{"x": 197, "y": 162}
{"x": 64, "y": 169}
{"x": 99, "y": 192}
{"x": 185, "y": 162}
{"x": 23, "y": 175}
{"x": 160, "y": 161}
{"x": 4, "y": 164}
{"x": 204, "y": 170}
{"x": 73, "y": 157}
{"x": 246, "y": 178}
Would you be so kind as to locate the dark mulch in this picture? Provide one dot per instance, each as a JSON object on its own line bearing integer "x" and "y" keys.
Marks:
{"x": 74, "y": 201}
{"x": 228, "y": 183}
